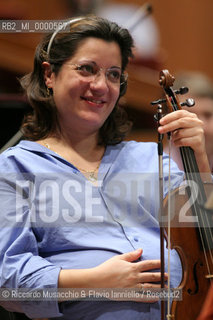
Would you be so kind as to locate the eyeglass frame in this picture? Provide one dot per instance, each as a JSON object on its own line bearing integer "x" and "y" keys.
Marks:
{"x": 99, "y": 69}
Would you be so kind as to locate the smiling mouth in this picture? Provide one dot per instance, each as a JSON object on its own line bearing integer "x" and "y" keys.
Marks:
{"x": 93, "y": 101}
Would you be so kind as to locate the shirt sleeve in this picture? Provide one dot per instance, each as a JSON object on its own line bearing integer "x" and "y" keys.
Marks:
{"x": 20, "y": 264}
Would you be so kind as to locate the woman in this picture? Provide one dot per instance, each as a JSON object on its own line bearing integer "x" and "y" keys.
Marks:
{"x": 77, "y": 201}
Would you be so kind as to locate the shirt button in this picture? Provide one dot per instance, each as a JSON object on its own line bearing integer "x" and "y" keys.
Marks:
{"x": 136, "y": 239}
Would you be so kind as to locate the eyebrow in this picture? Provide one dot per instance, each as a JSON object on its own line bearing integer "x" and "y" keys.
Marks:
{"x": 93, "y": 62}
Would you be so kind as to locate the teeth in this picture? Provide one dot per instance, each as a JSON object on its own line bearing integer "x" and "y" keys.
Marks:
{"x": 95, "y": 101}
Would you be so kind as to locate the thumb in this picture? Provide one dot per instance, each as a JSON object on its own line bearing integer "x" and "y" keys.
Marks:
{"x": 132, "y": 255}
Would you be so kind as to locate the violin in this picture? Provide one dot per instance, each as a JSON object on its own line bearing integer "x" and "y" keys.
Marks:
{"x": 191, "y": 232}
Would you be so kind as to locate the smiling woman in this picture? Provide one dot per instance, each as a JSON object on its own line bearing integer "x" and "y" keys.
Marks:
{"x": 87, "y": 96}
{"x": 79, "y": 204}
{"x": 61, "y": 55}
{"x": 75, "y": 93}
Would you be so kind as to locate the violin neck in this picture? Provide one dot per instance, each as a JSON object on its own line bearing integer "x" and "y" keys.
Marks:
{"x": 191, "y": 170}
{"x": 197, "y": 193}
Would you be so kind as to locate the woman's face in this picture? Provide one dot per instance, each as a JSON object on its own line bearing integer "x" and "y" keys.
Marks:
{"x": 85, "y": 102}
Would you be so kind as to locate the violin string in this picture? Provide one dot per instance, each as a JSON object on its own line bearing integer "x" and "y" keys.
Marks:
{"x": 169, "y": 228}
{"x": 206, "y": 236}
{"x": 199, "y": 227}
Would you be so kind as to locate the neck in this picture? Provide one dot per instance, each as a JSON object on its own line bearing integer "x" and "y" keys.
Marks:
{"x": 83, "y": 152}
{"x": 82, "y": 144}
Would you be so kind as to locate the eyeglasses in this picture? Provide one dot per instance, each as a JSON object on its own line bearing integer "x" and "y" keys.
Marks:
{"x": 90, "y": 70}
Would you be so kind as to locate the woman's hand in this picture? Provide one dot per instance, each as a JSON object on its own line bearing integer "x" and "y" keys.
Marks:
{"x": 121, "y": 272}
{"x": 187, "y": 131}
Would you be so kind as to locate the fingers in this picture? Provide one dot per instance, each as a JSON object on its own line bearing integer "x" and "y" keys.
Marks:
{"x": 131, "y": 256}
{"x": 150, "y": 277}
{"x": 148, "y": 288}
{"x": 143, "y": 266}
{"x": 187, "y": 136}
{"x": 187, "y": 130}
{"x": 146, "y": 265}
{"x": 176, "y": 115}
{"x": 178, "y": 120}
{"x": 145, "y": 273}
{"x": 152, "y": 286}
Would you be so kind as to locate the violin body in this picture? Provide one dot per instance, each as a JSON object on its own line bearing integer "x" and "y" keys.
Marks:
{"x": 185, "y": 239}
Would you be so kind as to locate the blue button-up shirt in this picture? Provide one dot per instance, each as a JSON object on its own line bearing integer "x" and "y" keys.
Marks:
{"x": 53, "y": 218}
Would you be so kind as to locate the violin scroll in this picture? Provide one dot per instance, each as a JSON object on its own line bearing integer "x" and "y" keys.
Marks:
{"x": 166, "y": 79}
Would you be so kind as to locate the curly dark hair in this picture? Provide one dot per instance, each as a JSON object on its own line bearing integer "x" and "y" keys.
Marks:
{"x": 43, "y": 120}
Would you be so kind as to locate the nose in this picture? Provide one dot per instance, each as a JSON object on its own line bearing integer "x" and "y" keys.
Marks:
{"x": 99, "y": 82}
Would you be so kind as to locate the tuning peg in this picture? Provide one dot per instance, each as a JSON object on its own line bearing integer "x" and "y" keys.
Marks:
{"x": 159, "y": 113}
{"x": 182, "y": 90}
{"x": 158, "y": 102}
{"x": 189, "y": 103}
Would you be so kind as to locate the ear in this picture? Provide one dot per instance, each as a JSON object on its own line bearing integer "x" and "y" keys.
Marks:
{"x": 48, "y": 74}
